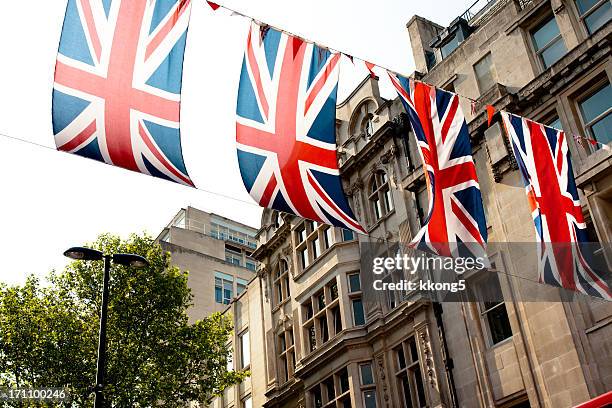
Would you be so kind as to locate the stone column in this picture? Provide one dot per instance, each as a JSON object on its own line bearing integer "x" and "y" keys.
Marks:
{"x": 429, "y": 372}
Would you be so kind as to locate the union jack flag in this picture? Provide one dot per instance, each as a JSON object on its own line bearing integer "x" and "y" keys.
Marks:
{"x": 285, "y": 128}
{"x": 544, "y": 162}
{"x": 117, "y": 89}
{"x": 455, "y": 224}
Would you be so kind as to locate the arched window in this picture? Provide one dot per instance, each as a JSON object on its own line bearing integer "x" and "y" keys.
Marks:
{"x": 381, "y": 200}
{"x": 281, "y": 282}
{"x": 367, "y": 126}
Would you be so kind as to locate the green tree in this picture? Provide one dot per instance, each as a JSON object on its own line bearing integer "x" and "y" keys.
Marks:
{"x": 49, "y": 333}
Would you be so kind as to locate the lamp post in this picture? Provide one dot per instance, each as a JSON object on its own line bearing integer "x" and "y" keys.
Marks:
{"x": 88, "y": 254}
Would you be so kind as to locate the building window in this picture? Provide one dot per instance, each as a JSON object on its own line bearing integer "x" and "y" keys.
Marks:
{"x": 245, "y": 350}
{"x": 451, "y": 45}
{"x": 548, "y": 43}
{"x": 247, "y": 402}
{"x": 233, "y": 255}
{"x": 496, "y": 318}
{"x": 485, "y": 75}
{"x": 430, "y": 59}
{"x": 596, "y": 114}
{"x": 312, "y": 240}
{"x": 408, "y": 374}
{"x": 225, "y": 233}
{"x": 224, "y": 288}
{"x": 355, "y": 296}
{"x": 554, "y": 123}
{"x": 380, "y": 198}
{"x": 368, "y": 389}
{"x": 594, "y": 13}
{"x": 281, "y": 282}
{"x": 347, "y": 235}
{"x": 179, "y": 220}
{"x": 251, "y": 264}
{"x": 322, "y": 318}
{"x": 334, "y": 391}
{"x": 493, "y": 311}
{"x": 286, "y": 355}
{"x": 241, "y": 286}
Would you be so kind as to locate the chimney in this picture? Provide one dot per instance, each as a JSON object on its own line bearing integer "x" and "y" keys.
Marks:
{"x": 422, "y": 32}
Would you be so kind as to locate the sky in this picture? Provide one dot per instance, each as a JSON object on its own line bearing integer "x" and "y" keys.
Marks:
{"x": 51, "y": 201}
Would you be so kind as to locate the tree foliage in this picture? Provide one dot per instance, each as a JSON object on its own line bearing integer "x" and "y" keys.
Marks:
{"x": 49, "y": 333}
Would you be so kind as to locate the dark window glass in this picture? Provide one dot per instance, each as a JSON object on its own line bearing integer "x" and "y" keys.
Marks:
{"x": 369, "y": 398}
{"x": 321, "y": 301}
{"x": 596, "y": 13}
{"x": 329, "y": 389}
{"x": 347, "y": 235}
{"x": 366, "y": 374}
{"x": 450, "y": 46}
{"x": 358, "y": 314}
{"x": 308, "y": 307}
{"x": 401, "y": 359}
{"x": 333, "y": 291}
{"x": 323, "y": 329}
{"x": 596, "y": 114}
{"x": 406, "y": 392}
{"x": 354, "y": 282}
{"x": 499, "y": 324}
{"x": 419, "y": 385}
{"x": 337, "y": 320}
{"x": 414, "y": 355}
{"x": 548, "y": 42}
{"x": 344, "y": 380}
{"x": 430, "y": 59}
{"x": 316, "y": 396}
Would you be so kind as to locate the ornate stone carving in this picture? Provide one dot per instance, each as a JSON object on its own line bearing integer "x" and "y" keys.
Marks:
{"x": 380, "y": 363}
{"x": 427, "y": 355}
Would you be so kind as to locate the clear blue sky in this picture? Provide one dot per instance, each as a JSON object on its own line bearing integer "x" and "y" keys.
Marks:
{"x": 51, "y": 201}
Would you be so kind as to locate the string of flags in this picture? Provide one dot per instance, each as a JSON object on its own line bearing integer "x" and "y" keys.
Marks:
{"x": 116, "y": 99}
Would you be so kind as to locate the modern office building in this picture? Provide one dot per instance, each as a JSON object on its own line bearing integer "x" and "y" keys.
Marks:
{"x": 314, "y": 336}
{"x": 216, "y": 251}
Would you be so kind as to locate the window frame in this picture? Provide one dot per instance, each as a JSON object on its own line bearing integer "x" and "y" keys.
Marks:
{"x": 244, "y": 356}
{"x": 321, "y": 315}
{"x": 355, "y": 295}
{"x": 280, "y": 282}
{"x": 588, "y": 13}
{"x": 411, "y": 371}
{"x": 340, "y": 396}
{"x": 538, "y": 51}
{"x": 599, "y": 84}
{"x": 492, "y": 73}
{"x": 286, "y": 355}
{"x": 380, "y": 196}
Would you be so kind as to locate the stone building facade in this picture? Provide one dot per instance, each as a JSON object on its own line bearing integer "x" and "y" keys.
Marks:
{"x": 216, "y": 252}
{"x": 316, "y": 338}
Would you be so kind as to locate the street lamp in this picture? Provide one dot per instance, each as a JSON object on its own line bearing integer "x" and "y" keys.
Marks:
{"x": 88, "y": 254}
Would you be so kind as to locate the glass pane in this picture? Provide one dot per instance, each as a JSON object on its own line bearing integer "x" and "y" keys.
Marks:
{"x": 344, "y": 380}
{"x": 369, "y": 398}
{"x": 248, "y": 403}
{"x": 602, "y": 129}
{"x": 450, "y": 46}
{"x": 545, "y": 33}
{"x": 499, "y": 325}
{"x": 218, "y": 294}
{"x": 599, "y": 17}
{"x": 366, "y": 374}
{"x": 406, "y": 390}
{"x": 553, "y": 53}
{"x": 330, "y": 389}
{"x": 312, "y": 338}
{"x": 585, "y": 5}
{"x": 596, "y": 104}
{"x": 347, "y": 235}
{"x": 555, "y": 123}
{"x": 358, "y": 314}
{"x": 419, "y": 385}
{"x": 354, "y": 283}
{"x": 401, "y": 360}
{"x": 245, "y": 349}
{"x": 484, "y": 73}
{"x": 316, "y": 396}
{"x": 414, "y": 355}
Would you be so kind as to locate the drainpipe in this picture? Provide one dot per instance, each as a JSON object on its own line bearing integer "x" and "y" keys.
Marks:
{"x": 448, "y": 361}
